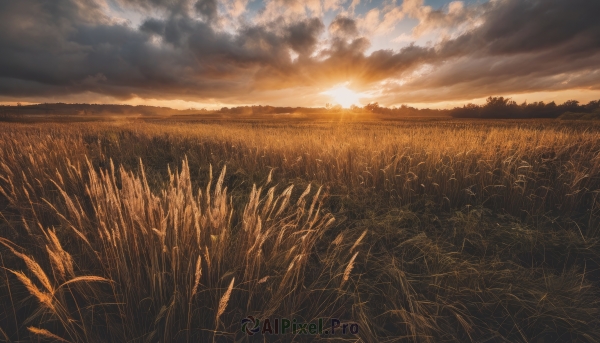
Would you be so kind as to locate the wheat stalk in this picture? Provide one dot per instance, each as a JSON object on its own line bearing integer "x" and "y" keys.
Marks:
{"x": 45, "y": 333}
{"x": 348, "y": 269}
{"x": 89, "y": 278}
{"x": 198, "y": 275}
{"x": 224, "y": 300}
{"x": 358, "y": 240}
{"x": 43, "y": 298}
{"x": 33, "y": 266}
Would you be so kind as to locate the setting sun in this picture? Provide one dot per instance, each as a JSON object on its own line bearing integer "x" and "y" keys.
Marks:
{"x": 344, "y": 96}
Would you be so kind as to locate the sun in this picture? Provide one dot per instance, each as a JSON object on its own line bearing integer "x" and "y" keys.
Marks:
{"x": 344, "y": 96}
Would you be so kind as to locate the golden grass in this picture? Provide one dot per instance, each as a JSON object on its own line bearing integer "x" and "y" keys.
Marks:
{"x": 224, "y": 300}
{"x": 45, "y": 333}
{"x": 437, "y": 231}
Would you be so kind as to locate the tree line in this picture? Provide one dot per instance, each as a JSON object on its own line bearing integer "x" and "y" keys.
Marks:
{"x": 500, "y": 107}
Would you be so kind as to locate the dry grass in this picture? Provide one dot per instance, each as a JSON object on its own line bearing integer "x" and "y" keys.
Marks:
{"x": 443, "y": 231}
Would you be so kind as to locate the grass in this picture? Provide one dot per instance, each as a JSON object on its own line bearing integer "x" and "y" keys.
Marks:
{"x": 424, "y": 231}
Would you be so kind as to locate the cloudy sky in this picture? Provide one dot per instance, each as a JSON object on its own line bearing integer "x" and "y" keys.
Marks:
{"x": 213, "y": 53}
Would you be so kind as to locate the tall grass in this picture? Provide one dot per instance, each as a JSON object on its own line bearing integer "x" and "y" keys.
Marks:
{"x": 443, "y": 231}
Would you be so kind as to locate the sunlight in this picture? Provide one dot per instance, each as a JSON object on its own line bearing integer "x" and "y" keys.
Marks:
{"x": 344, "y": 96}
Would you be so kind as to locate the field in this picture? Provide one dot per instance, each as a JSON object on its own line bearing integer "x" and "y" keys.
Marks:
{"x": 416, "y": 231}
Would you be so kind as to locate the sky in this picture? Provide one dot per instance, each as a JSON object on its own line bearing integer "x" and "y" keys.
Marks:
{"x": 212, "y": 53}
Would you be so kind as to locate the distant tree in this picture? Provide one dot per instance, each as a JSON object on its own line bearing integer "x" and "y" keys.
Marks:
{"x": 373, "y": 107}
{"x": 467, "y": 111}
{"x": 500, "y": 107}
{"x": 571, "y": 106}
{"x": 593, "y": 106}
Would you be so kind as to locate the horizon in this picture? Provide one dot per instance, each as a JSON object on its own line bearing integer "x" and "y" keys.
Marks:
{"x": 479, "y": 103}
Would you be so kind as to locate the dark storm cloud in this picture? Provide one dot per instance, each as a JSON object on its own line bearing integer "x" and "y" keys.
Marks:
{"x": 207, "y": 8}
{"x": 344, "y": 27}
{"x": 66, "y": 52}
{"x": 65, "y": 47}
{"x": 303, "y": 36}
{"x": 153, "y": 26}
{"x": 182, "y": 7}
{"x": 521, "y": 46}
{"x": 526, "y": 26}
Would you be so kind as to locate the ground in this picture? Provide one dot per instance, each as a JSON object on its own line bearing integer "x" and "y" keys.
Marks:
{"x": 176, "y": 229}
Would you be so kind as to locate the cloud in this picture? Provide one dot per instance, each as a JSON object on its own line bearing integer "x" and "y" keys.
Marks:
{"x": 518, "y": 47}
{"x": 381, "y": 21}
{"x": 207, "y": 8}
{"x": 302, "y": 36}
{"x": 456, "y": 17}
{"x": 172, "y": 7}
{"x": 343, "y": 27}
{"x": 181, "y": 50}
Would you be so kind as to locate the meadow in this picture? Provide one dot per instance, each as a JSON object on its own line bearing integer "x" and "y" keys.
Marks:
{"x": 439, "y": 230}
